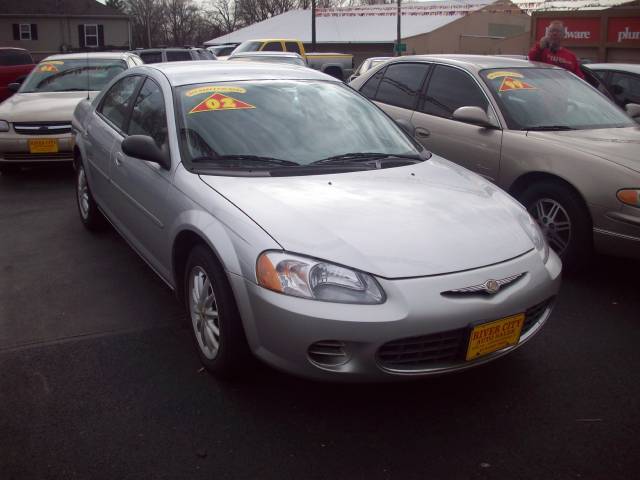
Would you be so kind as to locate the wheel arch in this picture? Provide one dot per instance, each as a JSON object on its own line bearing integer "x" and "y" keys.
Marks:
{"x": 523, "y": 182}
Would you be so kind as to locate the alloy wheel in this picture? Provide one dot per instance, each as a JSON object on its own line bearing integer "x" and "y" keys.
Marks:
{"x": 554, "y": 222}
{"x": 83, "y": 193}
{"x": 204, "y": 312}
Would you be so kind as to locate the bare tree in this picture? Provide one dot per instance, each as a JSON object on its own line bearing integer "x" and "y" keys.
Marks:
{"x": 181, "y": 18}
{"x": 146, "y": 16}
{"x": 225, "y": 13}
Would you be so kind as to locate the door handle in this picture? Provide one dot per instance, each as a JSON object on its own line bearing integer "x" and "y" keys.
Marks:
{"x": 118, "y": 159}
{"x": 422, "y": 132}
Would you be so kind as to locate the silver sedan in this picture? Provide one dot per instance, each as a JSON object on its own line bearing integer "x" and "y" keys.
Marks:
{"x": 300, "y": 225}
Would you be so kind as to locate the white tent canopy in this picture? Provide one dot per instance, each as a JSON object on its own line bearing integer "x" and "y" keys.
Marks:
{"x": 367, "y": 24}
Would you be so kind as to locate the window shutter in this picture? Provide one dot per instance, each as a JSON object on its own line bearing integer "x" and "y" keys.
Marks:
{"x": 16, "y": 31}
{"x": 34, "y": 31}
{"x": 81, "y": 36}
{"x": 100, "y": 36}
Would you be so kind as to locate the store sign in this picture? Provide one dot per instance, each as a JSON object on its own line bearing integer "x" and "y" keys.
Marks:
{"x": 624, "y": 30}
{"x": 576, "y": 30}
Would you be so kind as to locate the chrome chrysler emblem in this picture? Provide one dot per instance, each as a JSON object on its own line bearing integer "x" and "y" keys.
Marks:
{"x": 491, "y": 286}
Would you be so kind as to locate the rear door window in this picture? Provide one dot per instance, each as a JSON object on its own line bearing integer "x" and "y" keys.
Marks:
{"x": 370, "y": 88}
{"x": 272, "y": 47}
{"x": 628, "y": 87}
{"x": 178, "y": 55}
{"x": 449, "y": 89}
{"x": 151, "y": 57}
{"x": 292, "y": 47}
{"x": 15, "y": 57}
{"x": 401, "y": 84}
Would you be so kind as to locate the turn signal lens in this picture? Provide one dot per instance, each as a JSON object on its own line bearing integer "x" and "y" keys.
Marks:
{"x": 315, "y": 279}
{"x": 629, "y": 197}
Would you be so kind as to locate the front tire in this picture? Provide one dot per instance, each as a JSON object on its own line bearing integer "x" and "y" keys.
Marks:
{"x": 564, "y": 220}
{"x": 215, "y": 321}
{"x": 90, "y": 215}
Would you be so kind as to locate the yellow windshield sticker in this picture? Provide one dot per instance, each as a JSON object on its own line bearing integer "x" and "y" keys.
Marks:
{"x": 500, "y": 74}
{"x": 214, "y": 89}
{"x": 514, "y": 84}
{"x": 217, "y": 101}
{"x": 48, "y": 68}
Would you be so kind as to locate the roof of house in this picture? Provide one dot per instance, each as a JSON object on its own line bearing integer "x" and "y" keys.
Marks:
{"x": 56, "y": 7}
{"x": 370, "y": 24}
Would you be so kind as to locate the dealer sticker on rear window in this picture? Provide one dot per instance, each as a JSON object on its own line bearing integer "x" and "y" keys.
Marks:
{"x": 214, "y": 89}
{"x": 218, "y": 101}
{"x": 514, "y": 84}
{"x": 500, "y": 74}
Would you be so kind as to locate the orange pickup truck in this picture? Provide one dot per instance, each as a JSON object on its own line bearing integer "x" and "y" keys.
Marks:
{"x": 15, "y": 65}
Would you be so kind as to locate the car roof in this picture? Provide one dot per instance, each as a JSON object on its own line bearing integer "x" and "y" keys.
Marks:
{"x": 273, "y": 40}
{"x": 207, "y": 71}
{"x": 477, "y": 62}
{"x": 79, "y": 56}
{"x": 619, "y": 67}
{"x": 15, "y": 48}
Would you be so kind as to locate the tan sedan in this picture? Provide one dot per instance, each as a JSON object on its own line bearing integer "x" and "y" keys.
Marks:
{"x": 35, "y": 123}
{"x": 551, "y": 140}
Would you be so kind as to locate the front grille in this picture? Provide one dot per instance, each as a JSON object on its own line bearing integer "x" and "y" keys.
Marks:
{"x": 42, "y": 128}
{"x": 443, "y": 349}
{"x": 328, "y": 353}
{"x": 37, "y": 156}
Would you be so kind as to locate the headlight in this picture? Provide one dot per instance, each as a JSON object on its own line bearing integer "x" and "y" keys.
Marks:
{"x": 314, "y": 279}
{"x": 4, "y": 126}
{"x": 534, "y": 232}
{"x": 629, "y": 196}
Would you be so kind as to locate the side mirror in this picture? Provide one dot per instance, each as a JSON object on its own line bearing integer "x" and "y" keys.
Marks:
{"x": 407, "y": 126}
{"x": 14, "y": 87}
{"x": 145, "y": 148}
{"x": 473, "y": 115}
{"x": 633, "y": 110}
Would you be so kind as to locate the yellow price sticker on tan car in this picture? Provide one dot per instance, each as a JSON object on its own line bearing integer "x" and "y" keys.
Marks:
{"x": 43, "y": 145}
{"x": 214, "y": 89}
{"x": 493, "y": 336}
{"x": 514, "y": 84}
{"x": 500, "y": 74}
{"x": 217, "y": 101}
{"x": 49, "y": 68}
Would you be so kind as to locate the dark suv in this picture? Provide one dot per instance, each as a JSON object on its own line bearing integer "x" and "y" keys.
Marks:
{"x": 160, "y": 55}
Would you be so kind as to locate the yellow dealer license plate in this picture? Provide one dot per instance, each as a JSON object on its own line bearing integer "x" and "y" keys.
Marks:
{"x": 490, "y": 337}
{"x": 43, "y": 145}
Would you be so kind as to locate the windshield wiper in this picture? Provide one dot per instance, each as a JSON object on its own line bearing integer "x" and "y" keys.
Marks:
{"x": 362, "y": 157}
{"x": 244, "y": 160}
{"x": 549, "y": 128}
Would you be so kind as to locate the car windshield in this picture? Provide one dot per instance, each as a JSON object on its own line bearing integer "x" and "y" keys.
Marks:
{"x": 286, "y": 121}
{"x": 248, "y": 47}
{"x": 270, "y": 58}
{"x": 553, "y": 99}
{"x": 71, "y": 75}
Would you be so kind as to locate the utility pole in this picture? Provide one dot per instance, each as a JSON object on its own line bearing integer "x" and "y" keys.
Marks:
{"x": 399, "y": 38}
{"x": 313, "y": 25}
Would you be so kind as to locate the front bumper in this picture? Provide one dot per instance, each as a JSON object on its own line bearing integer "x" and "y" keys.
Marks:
{"x": 281, "y": 329}
{"x": 14, "y": 149}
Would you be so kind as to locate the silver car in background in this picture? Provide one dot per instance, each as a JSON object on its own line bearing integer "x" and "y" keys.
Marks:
{"x": 562, "y": 148}
{"x": 359, "y": 258}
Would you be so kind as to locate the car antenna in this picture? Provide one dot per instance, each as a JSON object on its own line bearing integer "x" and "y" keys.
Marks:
{"x": 88, "y": 77}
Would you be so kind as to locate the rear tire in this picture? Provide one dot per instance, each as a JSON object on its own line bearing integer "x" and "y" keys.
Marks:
{"x": 563, "y": 218}
{"x": 215, "y": 321}
{"x": 90, "y": 214}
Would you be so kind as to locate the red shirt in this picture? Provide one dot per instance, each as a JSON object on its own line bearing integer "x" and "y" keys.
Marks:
{"x": 562, "y": 58}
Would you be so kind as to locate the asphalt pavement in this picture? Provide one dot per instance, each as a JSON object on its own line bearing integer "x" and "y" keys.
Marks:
{"x": 99, "y": 379}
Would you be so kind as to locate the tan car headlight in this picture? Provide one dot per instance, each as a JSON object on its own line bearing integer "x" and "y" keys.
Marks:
{"x": 316, "y": 279}
{"x": 629, "y": 196}
{"x": 4, "y": 126}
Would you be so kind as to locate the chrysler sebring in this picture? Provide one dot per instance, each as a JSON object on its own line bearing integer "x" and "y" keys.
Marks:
{"x": 299, "y": 224}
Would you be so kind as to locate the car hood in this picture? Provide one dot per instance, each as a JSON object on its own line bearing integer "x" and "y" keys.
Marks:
{"x": 618, "y": 145}
{"x": 418, "y": 220}
{"x": 45, "y": 106}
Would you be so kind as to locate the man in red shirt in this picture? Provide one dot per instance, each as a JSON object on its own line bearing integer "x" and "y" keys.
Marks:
{"x": 550, "y": 50}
